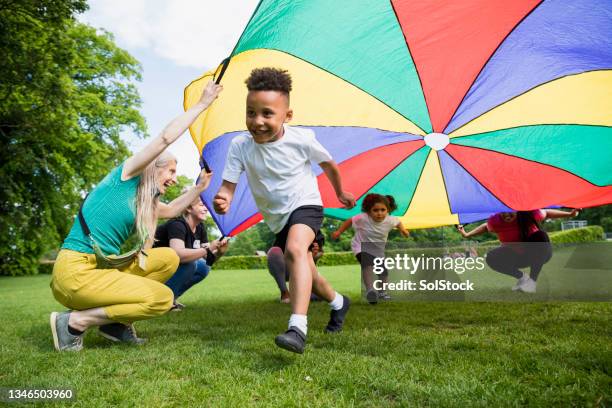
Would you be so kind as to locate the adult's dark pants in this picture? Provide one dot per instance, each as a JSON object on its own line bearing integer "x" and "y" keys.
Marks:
{"x": 534, "y": 252}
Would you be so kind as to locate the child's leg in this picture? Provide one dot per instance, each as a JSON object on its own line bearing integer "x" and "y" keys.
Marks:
{"x": 299, "y": 238}
{"x": 320, "y": 285}
{"x": 367, "y": 276}
{"x": 276, "y": 267}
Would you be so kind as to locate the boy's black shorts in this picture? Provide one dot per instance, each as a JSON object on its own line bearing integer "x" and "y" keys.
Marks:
{"x": 311, "y": 215}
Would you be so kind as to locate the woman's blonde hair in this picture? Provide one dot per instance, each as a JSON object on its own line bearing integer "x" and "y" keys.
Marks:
{"x": 147, "y": 198}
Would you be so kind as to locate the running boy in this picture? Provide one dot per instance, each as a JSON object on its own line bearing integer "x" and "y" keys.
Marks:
{"x": 277, "y": 161}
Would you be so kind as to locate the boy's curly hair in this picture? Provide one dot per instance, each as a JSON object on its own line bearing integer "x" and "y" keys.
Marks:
{"x": 269, "y": 79}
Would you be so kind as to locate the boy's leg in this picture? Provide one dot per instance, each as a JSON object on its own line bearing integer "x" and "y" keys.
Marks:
{"x": 320, "y": 286}
{"x": 297, "y": 258}
{"x": 299, "y": 238}
{"x": 338, "y": 303}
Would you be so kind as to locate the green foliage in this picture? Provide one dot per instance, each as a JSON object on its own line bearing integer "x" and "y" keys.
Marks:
{"x": 66, "y": 94}
{"x": 241, "y": 262}
{"x": 595, "y": 215}
{"x": 257, "y": 238}
{"x": 592, "y": 233}
{"x": 337, "y": 258}
{"x": 606, "y": 223}
{"x": 343, "y": 243}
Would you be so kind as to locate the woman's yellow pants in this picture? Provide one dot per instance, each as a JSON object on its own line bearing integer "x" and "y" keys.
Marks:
{"x": 126, "y": 295}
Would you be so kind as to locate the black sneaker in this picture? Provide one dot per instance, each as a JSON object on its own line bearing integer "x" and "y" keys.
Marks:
{"x": 293, "y": 340}
{"x": 372, "y": 297}
{"x": 336, "y": 317}
{"x": 121, "y": 333}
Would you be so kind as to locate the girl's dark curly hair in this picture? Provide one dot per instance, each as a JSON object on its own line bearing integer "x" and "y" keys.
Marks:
{"x": 371, "y": 199}
{"x": 269, "y": 79}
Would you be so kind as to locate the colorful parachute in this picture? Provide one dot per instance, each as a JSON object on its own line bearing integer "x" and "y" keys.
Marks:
{"x": 459, "y": 109}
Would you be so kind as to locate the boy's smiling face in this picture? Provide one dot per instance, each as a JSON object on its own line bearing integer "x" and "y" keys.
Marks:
{"x": 266, "y": 112}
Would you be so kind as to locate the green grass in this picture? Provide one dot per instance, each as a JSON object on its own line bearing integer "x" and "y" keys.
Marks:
{"x": 220, "y": 351}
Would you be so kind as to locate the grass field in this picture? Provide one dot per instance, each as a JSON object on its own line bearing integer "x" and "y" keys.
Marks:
{"x": 220, "y": 351}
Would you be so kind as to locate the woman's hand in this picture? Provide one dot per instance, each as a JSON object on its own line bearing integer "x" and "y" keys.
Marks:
{"x": 461, "y": 230}
{"x": 204, "y": 180}
{"x": 222, "y": 246}
{"x": 210, "y": 93}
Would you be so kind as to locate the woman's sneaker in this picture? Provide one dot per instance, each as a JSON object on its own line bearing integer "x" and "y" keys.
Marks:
{"x": 520, "y": 281}
{"x": 372, "y": 297}
{"x": 63, "y": 340}
{"x": 122, "y": 333}
{"x": 528, "y": 285}
{"x": 382, "y": 295}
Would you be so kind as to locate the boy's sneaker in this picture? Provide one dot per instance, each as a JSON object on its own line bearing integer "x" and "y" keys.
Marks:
{"x": 528, "y": 286}
{"x": 336, "y": 317}
{"x": 372, "y": 297}
{"x": 62, "y": 339}
{"x": 177, "y": 307}
{"x": 293, "y": 340}
{"x": 520, "y": 281}
{"x": 118, "y": 332}
{"x": 383, "y": 295}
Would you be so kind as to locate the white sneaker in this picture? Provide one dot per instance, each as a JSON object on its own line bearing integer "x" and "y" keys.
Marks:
{"x": 528, "y": 286}
{"x": 520, "y": 282}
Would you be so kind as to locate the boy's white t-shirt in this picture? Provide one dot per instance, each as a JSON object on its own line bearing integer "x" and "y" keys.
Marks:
{"x": 279, "y": 173}
{"x": 370, "y": 231}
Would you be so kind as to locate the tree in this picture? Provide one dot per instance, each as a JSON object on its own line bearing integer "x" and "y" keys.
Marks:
{"x": 65, "y": 96}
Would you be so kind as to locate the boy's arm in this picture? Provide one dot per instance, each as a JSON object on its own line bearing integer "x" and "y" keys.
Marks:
{"x": 224, "y": 197}
{"x": 330, "y": 168}
{"x": 345, "y": 225}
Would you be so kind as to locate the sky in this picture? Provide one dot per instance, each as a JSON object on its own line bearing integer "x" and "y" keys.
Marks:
{"x": 176, "y": 41}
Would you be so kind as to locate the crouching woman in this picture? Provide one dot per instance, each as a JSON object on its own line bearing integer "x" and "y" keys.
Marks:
{"x": 101, "y": 287}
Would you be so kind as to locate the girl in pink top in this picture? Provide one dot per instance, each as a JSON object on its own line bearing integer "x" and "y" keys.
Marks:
{"x": 372, "y": 228}
{"x": 513, "y": 230}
